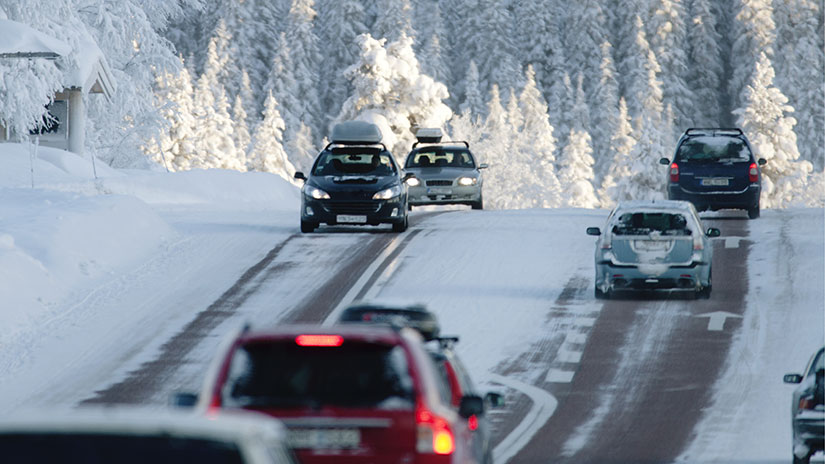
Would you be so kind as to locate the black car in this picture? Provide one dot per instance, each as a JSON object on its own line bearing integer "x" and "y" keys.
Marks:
{"x": 808, "y": 409}
{"x": 355, "y": 181}
{"x": 715, "y": 169}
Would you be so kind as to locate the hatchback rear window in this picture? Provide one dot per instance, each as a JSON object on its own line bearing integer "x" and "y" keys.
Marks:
{"x": 645, "y": 223}
{"x": 90, "y": 448}
{"x": 713, "y": 149}
{"x": 285, "y": 375}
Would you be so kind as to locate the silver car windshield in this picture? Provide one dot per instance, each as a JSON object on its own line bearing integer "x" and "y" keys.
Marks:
{"x": 441, "y": 157}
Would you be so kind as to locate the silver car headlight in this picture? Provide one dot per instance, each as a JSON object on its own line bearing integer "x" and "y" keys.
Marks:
{"x": 413, "y": 182}
{"x": 315, "y": 193}
{"x": 467, "y": 181}
{"x": 386, "y": 194}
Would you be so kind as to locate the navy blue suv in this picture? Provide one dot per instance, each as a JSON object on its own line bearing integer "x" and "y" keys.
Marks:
{"x": 354, "y": 181}
{"x": 715, "y": 169}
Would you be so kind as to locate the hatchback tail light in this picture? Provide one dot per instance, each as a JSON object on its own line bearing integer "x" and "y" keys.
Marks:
{"x": 807, "y": 402}
{"x": 753, "y": 173}
{"x": 674, "y": 172}
{"x": 433, "y": 433}
{"x": 319, "y": 340}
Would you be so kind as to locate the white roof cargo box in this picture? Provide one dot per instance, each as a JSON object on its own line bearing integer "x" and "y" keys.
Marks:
{"x": 356, "y": 133}
{"x": 428, "y": 135}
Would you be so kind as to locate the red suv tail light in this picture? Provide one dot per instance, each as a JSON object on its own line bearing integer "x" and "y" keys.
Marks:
{"x": 674, "y": 172}
{"x": 753, "y": 173}
{"x": 433, "y": 432}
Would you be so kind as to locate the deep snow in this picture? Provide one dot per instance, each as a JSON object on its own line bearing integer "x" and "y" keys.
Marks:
{"x": 95, "y": 274}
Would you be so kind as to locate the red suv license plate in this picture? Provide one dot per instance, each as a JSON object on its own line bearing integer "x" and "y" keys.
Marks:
{"x": 324, "y": 438}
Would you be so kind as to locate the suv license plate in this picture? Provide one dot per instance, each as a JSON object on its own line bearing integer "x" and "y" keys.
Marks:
{"x": 715, "y": 181}
{"x": 351, "y": 219}
{"x": 439, "y": 191}
{"x": 324, "y": 438}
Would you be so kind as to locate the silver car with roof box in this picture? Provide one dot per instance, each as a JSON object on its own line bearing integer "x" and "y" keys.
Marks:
{"x": 445, "y": 172}
{"x": 653, "y": 245}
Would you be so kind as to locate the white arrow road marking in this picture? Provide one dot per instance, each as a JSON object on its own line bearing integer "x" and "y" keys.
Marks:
{"x": 559, "y": 376}
{"x": 732, "y": 242}
{"x": 544, "y": 405}
{"x": 716, "y": 319}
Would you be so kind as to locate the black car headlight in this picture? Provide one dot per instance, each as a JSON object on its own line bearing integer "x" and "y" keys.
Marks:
{"x": 386, "y": 194}
{"x": 315, "y": 193}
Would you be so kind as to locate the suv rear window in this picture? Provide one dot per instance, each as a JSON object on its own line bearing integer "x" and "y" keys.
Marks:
{"x": 645, "y": 223}
{"x": 713, "y": 149}
{"x": 285, "y": 375}
{"x": 91, "y": 448}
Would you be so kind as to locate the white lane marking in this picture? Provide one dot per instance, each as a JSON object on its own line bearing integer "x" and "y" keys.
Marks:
{"x": 575, "y": 338}
{"x": 559, "y": 376}
{"x": 732, "y": 242}
{"x": 362, "y": 281}
{"x": 716, "y": 319}
{"x": 568, "y": 356}
{"x": 544, "y": 405}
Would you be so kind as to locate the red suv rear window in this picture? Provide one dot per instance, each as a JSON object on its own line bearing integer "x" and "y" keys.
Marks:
{"x": 282, "y": 374}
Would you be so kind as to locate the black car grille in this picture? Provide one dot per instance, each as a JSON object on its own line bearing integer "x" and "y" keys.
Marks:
{"x": 352, "y": 207}
{"x": 439, "y": 183}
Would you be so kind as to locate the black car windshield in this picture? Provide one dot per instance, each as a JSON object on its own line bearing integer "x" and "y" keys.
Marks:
{"x": 645, "y": 223}
{"x": 285, "y": 375}
{"x": 714, "y": 149}
{"x": 348, "y": 161}
{"x": 440, "y": 157}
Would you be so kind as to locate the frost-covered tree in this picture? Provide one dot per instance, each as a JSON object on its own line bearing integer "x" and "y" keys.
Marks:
{"x": 301, "y": 147}
{"x": 604, "y": 114}
{"x": 668, "y": 40}
{"x": 537, "y": 142}
{"x": 798, "y": 56}
{"x": 306, "y": 59}
{"x": 576, "y": 171}
{"x": 771, "y": 135}
{"x": 615, "y": 186}
{"x": 393, "y": 21}
{"x": 754, "y": 32}
{"x": 240, "y": 130}
{"x": 391, "y": 91}
{"x": 497, "y": 57}
{"x": 535, "y": 35}
{"x": 174, "y": 147}
{"x": 214, "y": 146}
{"x": 705, "y": 67}
{"x": 585, "y": 33}
{"x": 640, "y": 81}
{"x": 473, "y": 99}
{"x": 505, "y": 162}
{"x": 267, "y": 153}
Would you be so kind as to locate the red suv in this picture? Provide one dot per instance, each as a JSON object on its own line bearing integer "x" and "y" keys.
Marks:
{"x": 346, "y": 393}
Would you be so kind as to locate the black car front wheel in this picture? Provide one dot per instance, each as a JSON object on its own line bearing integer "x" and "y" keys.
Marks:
{"x": 400, "y": 226}
{"x": 307, "y": 227}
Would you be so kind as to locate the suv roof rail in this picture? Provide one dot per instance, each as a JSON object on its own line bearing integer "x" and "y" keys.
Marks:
{"x": 714, "y": 131}
{"x": 456, "y": 142}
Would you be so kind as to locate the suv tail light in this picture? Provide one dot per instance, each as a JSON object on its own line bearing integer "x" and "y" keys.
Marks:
{"x": 753, "y": 173}
{"x": 433, "y": 433}
{"x": 674, "y": 172}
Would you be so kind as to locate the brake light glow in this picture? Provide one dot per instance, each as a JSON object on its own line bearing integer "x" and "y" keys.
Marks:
{"x": 674, "y": 172}
{"x": 807, "y": 402}
{"x": 434, "y": 434}
{"x": 319, "y": 340}
{"x": 472, "y": 422}
{"x": 753, "y": 173}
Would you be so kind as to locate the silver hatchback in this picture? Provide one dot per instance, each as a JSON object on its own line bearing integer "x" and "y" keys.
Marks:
{"x": 445, "y": 173}
{"x": 653, "y": 245}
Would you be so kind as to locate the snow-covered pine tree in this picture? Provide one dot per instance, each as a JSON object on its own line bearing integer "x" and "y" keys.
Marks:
{"x": 394, "y": 20}
{"x": 705, "y": 67}
{"x": 214, "y": 145}
{"x": 771, "y": 135}
{"x": 301, "y": 147}
{"x": 174, "y": 147}
{"x": 267, "y": 153}
{"x": 391, "y": 92}
{"x": 576, "y": 171}
{"x": 306, "y": 59}
{"x": 798, "y": 55}
{"x": 641, "y": 69}
{"x": 754, "y": 32}
{"x": 497, "y": 59}
{"x": 473, "y": 100}
{"x": 432, "y": 61}
{"x": 615, "y": 186}
{"x": 604, "y": 113}
{"x": 497, "y": 148}
{"x": 585, "y": 32}
{"x": 240, "y": 131}
{"x": 668, "y": 40}
{"x": 536, "y": 140}
{"x": 534, "y": 35}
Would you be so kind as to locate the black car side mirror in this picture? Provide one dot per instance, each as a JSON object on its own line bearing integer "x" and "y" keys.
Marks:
{"x": 664, "y": 161}
{"x": 471, "y": 405}
{"x": 300, "y": 175}
{"x": 792, "y": 378}
{"x": 593, "y": 231}
{"x": 483, "y": 166}
{"x": 762, "y": 161}
{"x": 494, "y": 399}
{"x": 713, "y": 232}
{"x": 183, "y": 399}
